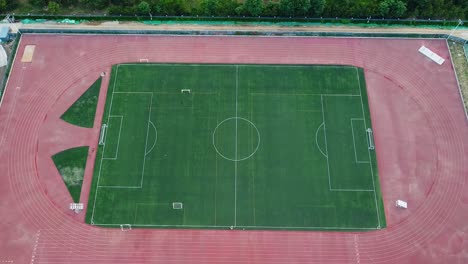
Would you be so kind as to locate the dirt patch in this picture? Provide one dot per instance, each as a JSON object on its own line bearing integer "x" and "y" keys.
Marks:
{"x": 461, "y": 67}
{"x": 72, "y": 175}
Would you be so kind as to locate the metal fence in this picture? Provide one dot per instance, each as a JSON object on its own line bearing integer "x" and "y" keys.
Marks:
{"x": 276, "y": 19}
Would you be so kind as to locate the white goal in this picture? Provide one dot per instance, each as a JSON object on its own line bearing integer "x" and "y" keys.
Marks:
{"x": 185, "y": 91}
{"x": 126, "y": 227}
{"x": 103, "y": 132}
{"x": 370, "y": 137}
{"x": 177, "y": 205}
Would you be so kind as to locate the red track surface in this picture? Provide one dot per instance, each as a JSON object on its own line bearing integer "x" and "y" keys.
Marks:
{"x": 421, "y": 137}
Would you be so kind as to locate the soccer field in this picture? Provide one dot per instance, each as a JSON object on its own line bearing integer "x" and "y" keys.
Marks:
{"x": 242, "y": 146}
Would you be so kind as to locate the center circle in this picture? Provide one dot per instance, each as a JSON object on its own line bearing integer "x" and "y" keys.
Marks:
{"x": 236, "y": 139}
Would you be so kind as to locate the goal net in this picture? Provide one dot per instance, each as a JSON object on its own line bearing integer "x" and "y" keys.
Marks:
{"x": 177, "y": 205}
{"x": 126, "y": 227}
{"x": 370, "y": 137}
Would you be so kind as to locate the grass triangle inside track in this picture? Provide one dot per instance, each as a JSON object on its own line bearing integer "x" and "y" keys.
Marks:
{"x": 83, "y": 111}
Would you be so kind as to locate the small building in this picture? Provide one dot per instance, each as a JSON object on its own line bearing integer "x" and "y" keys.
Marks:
{"x": 4, "y": 33}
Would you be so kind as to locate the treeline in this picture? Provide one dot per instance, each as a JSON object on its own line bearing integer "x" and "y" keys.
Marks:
{"x": 434, "y": 9}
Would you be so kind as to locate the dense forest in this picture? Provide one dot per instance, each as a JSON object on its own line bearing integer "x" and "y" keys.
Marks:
{"x": 434, "y": 9}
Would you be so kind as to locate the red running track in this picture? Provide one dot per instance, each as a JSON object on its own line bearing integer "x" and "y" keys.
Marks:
{"x": 421, "y": 137}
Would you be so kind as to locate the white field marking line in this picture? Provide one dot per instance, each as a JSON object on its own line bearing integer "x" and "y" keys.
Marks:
{"x": 151, "y": 225}
{"x": 155, "y": 140}
{"x": 302, "y": 94}
{"x": 118, "y": 139}
{"x": 235, "y": 161}
{"x": 104, "y": 147}
{"x": 368, "y": 152}
{"x": 309, "y": 227}
{"x": 456, "y": 77}
{"x": 298, "y": 66}
{"x": 119, "y": 187}
{"x": 144, "y": 158}
{"x": 351, "y": 190}
{"x": 354, "y": 141}
{"x": 241, "y": 118}
{"x": 254, "y": 226}
{"x": 316, "y": 140}
{"x": 326, "y": 146}
{"x": 146, "y": 143}
{"x": 133, "y": 92}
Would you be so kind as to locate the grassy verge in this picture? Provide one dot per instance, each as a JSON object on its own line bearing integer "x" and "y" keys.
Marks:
{"x": 71, "y": 164}
{"x": 461, "y": 67}
{"x": 83, "y": 111}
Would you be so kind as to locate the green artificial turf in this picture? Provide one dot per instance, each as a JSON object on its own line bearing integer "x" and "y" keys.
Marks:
{"x": 71, "y": 165}
{"x": 83, "y": 111}
{"x": 250, "y": 147}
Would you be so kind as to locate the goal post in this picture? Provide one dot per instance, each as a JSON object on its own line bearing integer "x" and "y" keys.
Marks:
{"x": 370, "y": 137}
{"x": 185, "y": 91}
{"x": 125, "y": 227}
{"x": 102, "y": 135}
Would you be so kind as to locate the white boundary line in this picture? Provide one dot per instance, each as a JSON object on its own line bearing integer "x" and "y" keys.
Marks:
{"x": 368, "y": 151}
{"x": 354, "y": 141}
{"x": 303, "y": 94}
{"x": 104, "y": 147}
{"x": 118, "y": 139}
{"x": 235, "y": 162}
{"x": 255, "y": 227}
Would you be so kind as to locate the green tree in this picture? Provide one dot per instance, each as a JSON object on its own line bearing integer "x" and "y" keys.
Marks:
{"x": 253, "y": 7}
{"x": 392, "y": 8}
{"x": 143, "y": 8}
{"x": 294, "y": 7}
{"x": 317, "y": 7}
{"x": 3, "y": 5}
{"x": 218, "y": 7}
{"x": 171, "y": 7}
{"x": 38, "y": 3}
{"x": 271, "y": 9}
{"x": 95, "y": 4}
{"x": 53, "y": 7}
